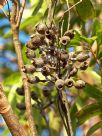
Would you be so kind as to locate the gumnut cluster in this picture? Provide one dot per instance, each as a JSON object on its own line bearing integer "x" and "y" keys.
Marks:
{"x": 48, "y": 54}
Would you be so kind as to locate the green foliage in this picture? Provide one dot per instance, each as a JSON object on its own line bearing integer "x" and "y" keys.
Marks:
{"x": 86, "y": 34}
{"x": 85, "y": 9}
{"x": 87, "y": 112}
{"x": 94, "y": 128}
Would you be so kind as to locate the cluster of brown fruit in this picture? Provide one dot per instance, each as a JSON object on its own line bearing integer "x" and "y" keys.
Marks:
{"x": 49, "y": 56}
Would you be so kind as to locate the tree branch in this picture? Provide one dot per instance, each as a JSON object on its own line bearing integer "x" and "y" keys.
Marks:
{"x": 17, "y": 45}
{"x": 10, "y": 118}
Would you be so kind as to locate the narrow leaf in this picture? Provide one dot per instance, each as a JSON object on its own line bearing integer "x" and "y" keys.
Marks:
{"x": 94, "y": 128}
{"x": 85, "y": 9}
{"x": 88, "y": 111}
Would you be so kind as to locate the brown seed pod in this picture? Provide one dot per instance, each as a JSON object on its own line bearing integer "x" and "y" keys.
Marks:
{"x": 59, "y": 84}
{"x": 34, "y": 95}
{"x": 50, "y": 34}
{"x": 29, "y": 69}
{"x": 72, "y": 56}
{"x": 46, "y": 91}
{"x": 41, "y": 28}
{"x": 84, "y": 65}
{"x": 35, "y": 40}
{"x": 21, "y": 106}
{"x": 79, "y": 84}
{"x": 30, "y": 53}
{"x": 69, "y": 83}
{"x": 82, "y": 57}
{"x": 69, "y": 33}
{"x": 33, "y": 79}
{"x": 64, "y": 55}
{"x": 20, "y": 91}
{"x": 73, "y": 71}
{"x": 54, "y": 28}
{"x": 38, "y": 62}
{"x": 64, "y": 40}
{"x": 30, "y": 45}
{"x": 45, "y": 70}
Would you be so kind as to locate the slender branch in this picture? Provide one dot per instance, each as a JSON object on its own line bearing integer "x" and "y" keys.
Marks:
{"x": 50, "y": 13}
{"x": 10, "y": 118}
{"x": 17, "y": 45}
{"x": 21, "y": 13}
{"x": 4, "y": 13}
{"x": 68, "y": 15}
{"x": 64, "y": 102}
{"x": 47, "y": 122}
{"x": 71, "y": 8}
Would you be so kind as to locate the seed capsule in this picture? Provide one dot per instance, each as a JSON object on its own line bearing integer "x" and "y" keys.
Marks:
{"x": 79, "y": 84}
{"x": 38, "y": 62}
{"x": 35, "y": 40}
{"x": 34, "y": 95}
{"x": 63, "y": 55}
{"x": 30, "y": 54}
{"x": 69, "y": 33}
{"x": 45, "y": 70}
{"x": 33, "y": 80}
{"x": 29, "y": 69}
{"x": 46, "y": 91}
{"x": 30, "y": 45}
{"x": 69, "y": 83}
{"x": 82, "y": 57}
{"x": 21, "y": 106}
{"x": 72, "y": 56}
{"x": 41, "y": 28}
{"x": 83, "y": 66}
{"x": 59, "y": 84}
{"x": 73, "y": 71}
{"x": 20, "y": 91}
{"x": 50, "y": 34}
{"x": 64, "y": 40}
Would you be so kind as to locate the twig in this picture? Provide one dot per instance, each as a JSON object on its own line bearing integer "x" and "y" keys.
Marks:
{"x": 50, "y": 13}
{"x": 68, "y": 15}
{"x": 17, "y": 45}
{"x": 10, "y": 118}
{"x": 47, "y": 105}
{"x": 71, "y": 8}
{"x": 63, "y": 100}
{"x": 47, "y": 121}
{"x": 21, "y": 13}
{"x": 4, "y": 13}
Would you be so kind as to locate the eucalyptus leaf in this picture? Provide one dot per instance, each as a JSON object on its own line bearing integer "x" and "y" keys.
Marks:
{"x": 88, "y": 112}
{"x": 94, "y": 128}
{"x": 85, "y": 9}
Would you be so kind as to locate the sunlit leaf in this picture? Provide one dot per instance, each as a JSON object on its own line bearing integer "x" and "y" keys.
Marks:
{"x": 94, "y": 128}
{"x": 73, "y": 110}
{"x": 13, "y": 79}
{"x": 88, "y": 111}
{"x": 85, "y": 9}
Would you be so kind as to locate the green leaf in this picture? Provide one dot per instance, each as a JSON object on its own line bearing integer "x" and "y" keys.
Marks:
{"x": 88, "y": 40}
{"x": 93, "y": 92}
{"x": 73, "y": 110}
{"x": 100, "y": 52}
{"x": 94, "y": 128}
{"x": 96, "y": 27}
{"x": 85, "y": 9}
{"x": 13, "y": 79}
{"x": 88, "y": 112}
